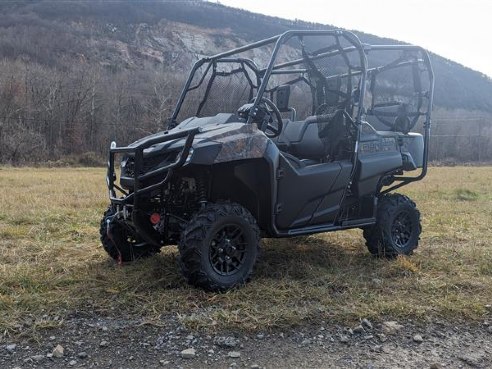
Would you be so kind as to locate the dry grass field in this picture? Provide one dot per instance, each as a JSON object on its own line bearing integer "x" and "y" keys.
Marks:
{"x": 52, "y": 265}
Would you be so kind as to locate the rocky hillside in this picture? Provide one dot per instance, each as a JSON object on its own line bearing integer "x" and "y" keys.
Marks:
{"x": 75, "y": 74}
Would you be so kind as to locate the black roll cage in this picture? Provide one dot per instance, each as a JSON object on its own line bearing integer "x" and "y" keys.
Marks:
{"x": 263, "y": 76}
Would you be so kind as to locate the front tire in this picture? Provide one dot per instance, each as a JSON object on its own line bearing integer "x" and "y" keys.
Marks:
{"x": 397, "y": 229}
{"x": 219, "y": 247}
{"x": 120, "y": 243}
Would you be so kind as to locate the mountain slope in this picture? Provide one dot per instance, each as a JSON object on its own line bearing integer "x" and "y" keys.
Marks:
{"x": 75, "y": 74}
{"x": 124, "y": 34}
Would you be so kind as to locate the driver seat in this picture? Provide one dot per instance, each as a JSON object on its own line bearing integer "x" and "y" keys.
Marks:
{"x": 317, "y": 138}
{"x": 300, "y": 139}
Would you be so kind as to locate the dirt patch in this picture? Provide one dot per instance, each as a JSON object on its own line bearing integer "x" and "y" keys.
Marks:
{"x": 92, "y": 342}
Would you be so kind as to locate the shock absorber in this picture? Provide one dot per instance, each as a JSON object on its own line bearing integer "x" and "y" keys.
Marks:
{"x": 201, "y": 189}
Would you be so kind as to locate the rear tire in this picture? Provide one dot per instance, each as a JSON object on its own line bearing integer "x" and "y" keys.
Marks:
{"x": 219, "y": 247}
{"x": 121, "y": 244}
{"x": 397, "y": 229}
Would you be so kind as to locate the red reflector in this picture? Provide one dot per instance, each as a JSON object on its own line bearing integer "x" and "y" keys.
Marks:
{"x": 155, "y": 218}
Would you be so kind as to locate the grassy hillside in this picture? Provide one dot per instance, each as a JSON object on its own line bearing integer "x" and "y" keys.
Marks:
{"x": 52, "y": 264}
{"x": 75, "y": 75}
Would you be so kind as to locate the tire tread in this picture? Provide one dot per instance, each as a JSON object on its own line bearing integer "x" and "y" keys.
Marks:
{"x": 190, "y": 260}
{"x": 378, "y": 241}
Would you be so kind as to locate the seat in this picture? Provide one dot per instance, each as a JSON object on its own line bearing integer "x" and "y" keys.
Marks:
{"x": 300, "y": 138}
{"x": 334, "y": 133}
{"x": 316, "y": 138}
{"x": 299, "y": 163}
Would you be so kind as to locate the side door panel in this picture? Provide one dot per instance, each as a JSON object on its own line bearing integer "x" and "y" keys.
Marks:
{"x": 310, "y": 195}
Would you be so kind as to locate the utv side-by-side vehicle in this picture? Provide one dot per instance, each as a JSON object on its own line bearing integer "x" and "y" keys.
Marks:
{"x": 301, "y": 133}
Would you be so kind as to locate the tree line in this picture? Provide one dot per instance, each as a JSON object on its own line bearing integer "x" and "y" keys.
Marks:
{"x": 48, "y": 114}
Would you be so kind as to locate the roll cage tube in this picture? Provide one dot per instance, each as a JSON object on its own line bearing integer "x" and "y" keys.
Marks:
{"x": 264, "y": 74}
{"x": 286, "y": 36}
{"x": 352, "y": 39}
{"x": 424, "y": 57}
{"x": 200, "y": 62}
{"x": 212, "y": 64}
{"x": 404, "y": 180}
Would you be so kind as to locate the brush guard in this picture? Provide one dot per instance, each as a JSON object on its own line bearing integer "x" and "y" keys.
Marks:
{"x": 130, "y": 199}
{"x": 139, "y": 176}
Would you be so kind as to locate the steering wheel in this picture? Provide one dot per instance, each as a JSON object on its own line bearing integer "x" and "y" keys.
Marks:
{"x": 402, "y": 120}
{"x": 267, "y": 120}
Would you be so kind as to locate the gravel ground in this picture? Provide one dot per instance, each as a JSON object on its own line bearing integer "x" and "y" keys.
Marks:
{"x": 102, "y": 342}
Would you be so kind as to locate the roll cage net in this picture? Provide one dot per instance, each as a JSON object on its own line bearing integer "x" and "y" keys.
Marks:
{"x": 326, "y": 71}
{"x": 221, "y": 86}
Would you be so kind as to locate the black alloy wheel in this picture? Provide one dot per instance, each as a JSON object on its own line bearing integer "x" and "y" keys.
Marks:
{"x": 402, "y": 229}
{"x": 397, "y": 229}
{"x": 219, "y": 247}
{"x": 228, "y": 249}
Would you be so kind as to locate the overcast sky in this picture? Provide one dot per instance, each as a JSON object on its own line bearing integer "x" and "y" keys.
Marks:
{"x": 460, "y": 30}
